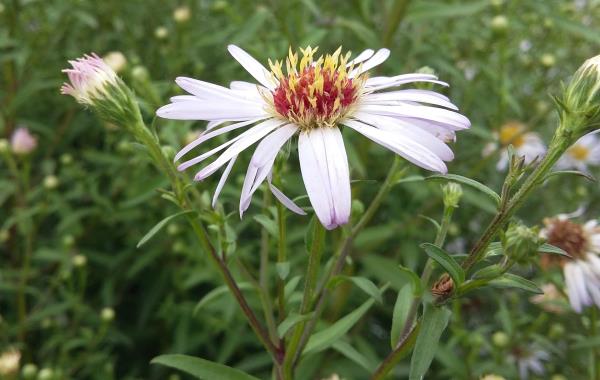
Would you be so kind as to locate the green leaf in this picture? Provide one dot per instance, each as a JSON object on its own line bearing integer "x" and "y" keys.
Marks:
{"x": 445, "y": 261}
{"x": 268, "y": 224}
{"x": 283, "y": 269}
{"x": 404, "y": 301}
{"x": 509, "y": 280}
{"x": 363, "y": 283}
{"x": 160, "y": 225}
{"x": 327, "y": 337}
{"x": 494, "y": 249}
{"x": 489, "y": 272}
{"x": 577, "y": 29}
{"x": 291, "y": 320}
{"x": 201, "y": 368}
{"x": 587, "y": 176}
{"x": 428, "y": 10}
{"x": 549, "y": 248}
{"x": 357, "y": 357}
{"x": 587, "y": 343}
{"x": 414, "y": 279}
{"x": 434, "y": 322}
{"x": 469, "y": 182}
{"x": 216, "y": 293}
{"x": 410, "y": 178}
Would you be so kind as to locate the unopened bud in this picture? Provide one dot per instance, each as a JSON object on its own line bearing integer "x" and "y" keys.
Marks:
{"x": 22, "y": 141}
{"x": 181, "y": 14}
{"x": 107, "y": 314}
{"x": 522, "y": 243}
{"x": 548, "y": 60}
{"x": 452, "y": 193}
{"x": 29, "y": 371}
{"x": 500, "y": 339}
{"x": 444, "y": 287}
{"x": 79, "y": 261}
{"x": 46, "y": 374}
{"x": 161, "y": 32}
{"x": 66, "y": 159}
{"x": 140, "y": 73}
{"x": 4, "y": 146}
{"x": 51, "y": 182}
{"x": 116, "y": 61}
{"x": 499, "y": 23}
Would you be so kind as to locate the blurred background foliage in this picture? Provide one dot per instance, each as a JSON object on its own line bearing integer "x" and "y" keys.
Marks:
{"x": 502, "y": 59}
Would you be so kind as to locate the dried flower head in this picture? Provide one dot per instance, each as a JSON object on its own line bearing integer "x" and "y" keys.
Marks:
{"x": 582, "y": 272}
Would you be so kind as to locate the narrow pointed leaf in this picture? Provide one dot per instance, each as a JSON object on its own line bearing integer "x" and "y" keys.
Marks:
{"x": 469, "y": 182}
{"x": 549, "y": 248}
{"x": 291, "y": 320}
{"x": 216, "y": 293}
{"x": 202, "y": 369}
{"x": 362, "y": 283}
{"x": 404, "y": 301}
{"x": 509, "y": 280}
{"x": 445, "y": 261}
{"x": 587, "y": 176}
{"x": 434, "y": 322}
{"x": 160, "y": 225}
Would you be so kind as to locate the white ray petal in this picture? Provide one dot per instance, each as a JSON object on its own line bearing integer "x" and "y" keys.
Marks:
{"x": 377, "y": 59}
{"x": 401, "y": 96}
{"x": 408, "y": 149}
{"x": 198, "y": 109}
{"x": 420, "y": 136}
{"x": 257, "y": 133}
{"x": 255, "y": 68}
{"x": 366, "y": 54}
{"x": 210, "y": 91}
{"x": 223, "y": 180}
{"x": 438, "y": 115}
{"x": 209, "y": 135}
{"x": 287, "y": 202}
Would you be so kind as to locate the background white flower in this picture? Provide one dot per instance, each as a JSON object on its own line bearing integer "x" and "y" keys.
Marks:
{"x": 584, "y": 153}
{"x": 526, "y": 144}
{"x": 314, "y": 98}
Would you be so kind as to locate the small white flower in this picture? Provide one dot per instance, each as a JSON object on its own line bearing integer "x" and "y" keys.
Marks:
{"x": 582, "y": 271}
{"x": 22, "y": 142}
{"x": 531, "y": 361}
{"x": 526, "y": 144}
{"x": 585, "y": 152}
{"x": 314, "y": 99}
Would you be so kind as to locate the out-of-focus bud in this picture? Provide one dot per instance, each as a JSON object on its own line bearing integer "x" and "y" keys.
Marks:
{"x": 219, "y": 5}
{"x": 79, "y": 261}
{"x": 358, "y": 208}
{"x": 29, "y": 371}
{"x": 107, "y": 314}
{"x": 500, "y": 339}
{"x": 497, "y": 3}
{"x": 4, "y": 235}
{"x": 2, "y": 7}
{"x": 22, "y": 141}
{"x": 492, "y": 377}
{"x": 4, "y": 146}
{"x": 558, "y": 377}
{"x": 116, "y": 61}
{"x": 140, "y": 73}
{"x": 66, "y": 159}
{"x": 46, "y": 374}
{"x": 173, "y": 229}
{"x": 522, "y": 243}
{"x": 9, "y": 362}
{"x": 499, "y": 23}
{"x": 556, "y": 331}
{"x": 51, "y": 182}
{"x": 452, "y": 192}
{"x": 174, "y": 376}
{"x": 580, "y": 102}
{"x": 161, "y": 32}
{"x": 181, "y": 14}
{"x": 169, "y": 151}
{"x": 68, "y": 241}
{"x": 548, "y": 60}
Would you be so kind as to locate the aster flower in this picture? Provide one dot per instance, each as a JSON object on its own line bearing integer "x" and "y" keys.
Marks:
{"x": 585, "y": 152}
{"x": 313, "y": 99}
{"x": 582, "y": 272}
{"x": 530, "y": 360}
{"x": 22, "y": 141}
{"x": 88, "y": 78}
{"x": 526, "y": 144}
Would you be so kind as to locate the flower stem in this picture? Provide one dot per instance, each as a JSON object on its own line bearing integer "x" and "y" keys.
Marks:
{"x": 342, "y": 253}
{"x": 162, "y": 163}
{"x": 281, "y": 258}
{"x": 557, "y": 148}
{"x": 314, "y": 262}
{"x": 402, "y": 349}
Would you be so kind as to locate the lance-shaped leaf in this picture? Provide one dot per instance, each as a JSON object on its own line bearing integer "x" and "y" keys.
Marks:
{"x": 445, "y": 261}
{"x": 434, "y": 322}
{"x": 549, "y": 248}
{"x": 468, "y": 182}
{"x": 509, "y": 280}
{"x": 202, "y": 369}
{"x": 160, "y": 225}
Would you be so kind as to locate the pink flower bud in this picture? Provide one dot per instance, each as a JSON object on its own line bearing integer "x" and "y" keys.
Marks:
{"x": 22, "y": 142}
